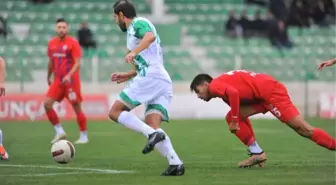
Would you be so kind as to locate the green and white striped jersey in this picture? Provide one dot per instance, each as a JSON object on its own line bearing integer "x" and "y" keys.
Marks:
{"x": 149, "y": 62}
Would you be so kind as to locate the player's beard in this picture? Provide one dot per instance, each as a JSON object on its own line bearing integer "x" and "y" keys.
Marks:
{"x": 122, "y": 26}
{"x": 61, "y": 35}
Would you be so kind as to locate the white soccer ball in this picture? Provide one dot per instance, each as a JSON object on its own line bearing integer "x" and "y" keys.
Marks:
{"x": 63, "y": 151}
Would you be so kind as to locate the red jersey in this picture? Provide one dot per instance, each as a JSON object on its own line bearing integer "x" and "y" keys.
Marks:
{"x": 62, "y": 54}
{"x": 242, "y": 87}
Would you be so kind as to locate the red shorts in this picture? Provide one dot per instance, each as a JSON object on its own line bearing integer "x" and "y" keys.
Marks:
{"x": 71, "y": 91}
{"x": 279, "y": 104}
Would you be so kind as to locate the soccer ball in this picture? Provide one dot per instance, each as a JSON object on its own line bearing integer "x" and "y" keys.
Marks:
{"x": 63, "y": 151}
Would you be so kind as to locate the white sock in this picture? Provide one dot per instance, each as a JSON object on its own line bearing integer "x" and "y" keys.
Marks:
{"x": 0, "y": 137}
{"x": 131, "y": 121}
{"x": 59, "y": 129}
{"x": 83, "y": 135}
{"x": 166, "y": 149}
{"x": 255, "y": 148}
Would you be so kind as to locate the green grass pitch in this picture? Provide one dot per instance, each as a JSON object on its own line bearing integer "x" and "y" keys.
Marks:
{"x": 209, "y": 151}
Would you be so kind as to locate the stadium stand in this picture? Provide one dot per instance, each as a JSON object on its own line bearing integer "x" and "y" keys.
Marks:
{"x": 203, "y": 48}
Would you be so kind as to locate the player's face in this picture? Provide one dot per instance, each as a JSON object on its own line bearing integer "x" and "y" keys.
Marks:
{"x": 61, "y": 29}
{"x": 119, "y": 19}
{"x": 202, "y": 92}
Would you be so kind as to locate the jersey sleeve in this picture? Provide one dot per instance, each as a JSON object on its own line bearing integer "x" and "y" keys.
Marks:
{"x": 76, "y": 50}
{"x": 224, "y": 90}
{"x": 141, "y": 28}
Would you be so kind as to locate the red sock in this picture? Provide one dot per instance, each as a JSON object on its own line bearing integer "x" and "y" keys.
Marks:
{"x": 323, "y": 139}
{"x": 81, "y": 120}
{"x": 245, "y": 134}
{"x": 248, "y": 123}
{"x": 52, "y": 116}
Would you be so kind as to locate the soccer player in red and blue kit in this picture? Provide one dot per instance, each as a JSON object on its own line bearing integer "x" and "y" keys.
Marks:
{"x": 64, "y": 54}
{"x": 249, "y": 93}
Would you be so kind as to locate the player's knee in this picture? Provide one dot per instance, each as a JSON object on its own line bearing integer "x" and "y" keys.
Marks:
{"x": 77, "y": 107}
{"x": 301, "y": 127}
{"x": 116, "y": 110}
{"x": 153, "y": 120}
{"x": 48, "y": 103}
{"x": 113, "y": 115}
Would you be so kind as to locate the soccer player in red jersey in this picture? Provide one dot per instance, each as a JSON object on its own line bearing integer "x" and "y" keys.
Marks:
{"x": 326, "y": 64}
{"x": 64, "y": 54}
{"x": 3, "y": 153}
{"x": 249, "y": 93}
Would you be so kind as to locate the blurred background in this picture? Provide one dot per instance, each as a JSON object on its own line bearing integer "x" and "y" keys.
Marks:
{"x": 285, "y": 38}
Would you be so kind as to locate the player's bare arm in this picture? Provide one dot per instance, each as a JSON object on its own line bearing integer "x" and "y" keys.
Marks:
{"x": 2, "y": 76}
{"x": 326, "y": 64}
{"x": 50, "y": 72}
{"x": 74, "y": 68}
{"x": 146, "y": 41}
{"x": 233, "y": 96}
{"x": 121, "y": 77}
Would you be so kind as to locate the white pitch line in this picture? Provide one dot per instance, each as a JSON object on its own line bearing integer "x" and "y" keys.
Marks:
{"x": 67, "y": 168}
{"x": 45, "y": 174}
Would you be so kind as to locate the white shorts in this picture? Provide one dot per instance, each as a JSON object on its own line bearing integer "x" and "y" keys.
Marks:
{"x": 155, "y": 93}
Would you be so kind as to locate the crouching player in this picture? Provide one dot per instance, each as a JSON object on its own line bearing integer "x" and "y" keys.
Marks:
{"x": 250, "y": 93}
{"x": 64, "y": 54}
{"x": 3, "y": 153}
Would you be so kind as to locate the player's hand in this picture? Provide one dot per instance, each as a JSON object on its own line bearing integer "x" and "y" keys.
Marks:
{"x": 49, "y": 82}
{"x": 234, "y": 127}
{"x": 130, "y": 57}
{"x": 66, "y": 79}
{"x": 119, "y": 77}
{"x": 325, "y": 64}
{"x": 2, "y": 91}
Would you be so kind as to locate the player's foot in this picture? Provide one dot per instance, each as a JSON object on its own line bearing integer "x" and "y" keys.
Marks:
{"x": 3, "y": 153}
{"x": 260, "y": 164}
{"x": 174, "y": 170}
{"x": 82, "y": 141}
{"x": 153, "y": 139}
{"x": 58, "y": 137}
{"x": 254, "y": 159}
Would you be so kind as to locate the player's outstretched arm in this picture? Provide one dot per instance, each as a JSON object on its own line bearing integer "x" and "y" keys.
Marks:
{"x": 326, "y": 64}
{"x": 122, "y": 76}
{"x": 2, "y": 76}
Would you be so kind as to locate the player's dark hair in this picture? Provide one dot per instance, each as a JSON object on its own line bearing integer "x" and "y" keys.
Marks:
{"x": 61, "y": 20}
{"x": 126, "y": 7}
{"x": 199, "y": 80}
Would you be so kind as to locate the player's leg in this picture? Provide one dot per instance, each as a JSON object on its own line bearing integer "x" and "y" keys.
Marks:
{"x": 246, "y": 135}
{"x": 74, "y": 96}
{"x": 317, "y": 135}
{"x": 55, "y": 93}
{"x": 3, "y": 153}
{"x": 156, "y": 112}
{"x": 82, "y": 123}
{"x": 119, "y": 113}
{"x": 282, "y": 107}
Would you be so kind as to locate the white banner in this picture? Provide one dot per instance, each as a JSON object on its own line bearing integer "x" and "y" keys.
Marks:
{"x": 327, "y": 105}
{"x": 188, "y": 106}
